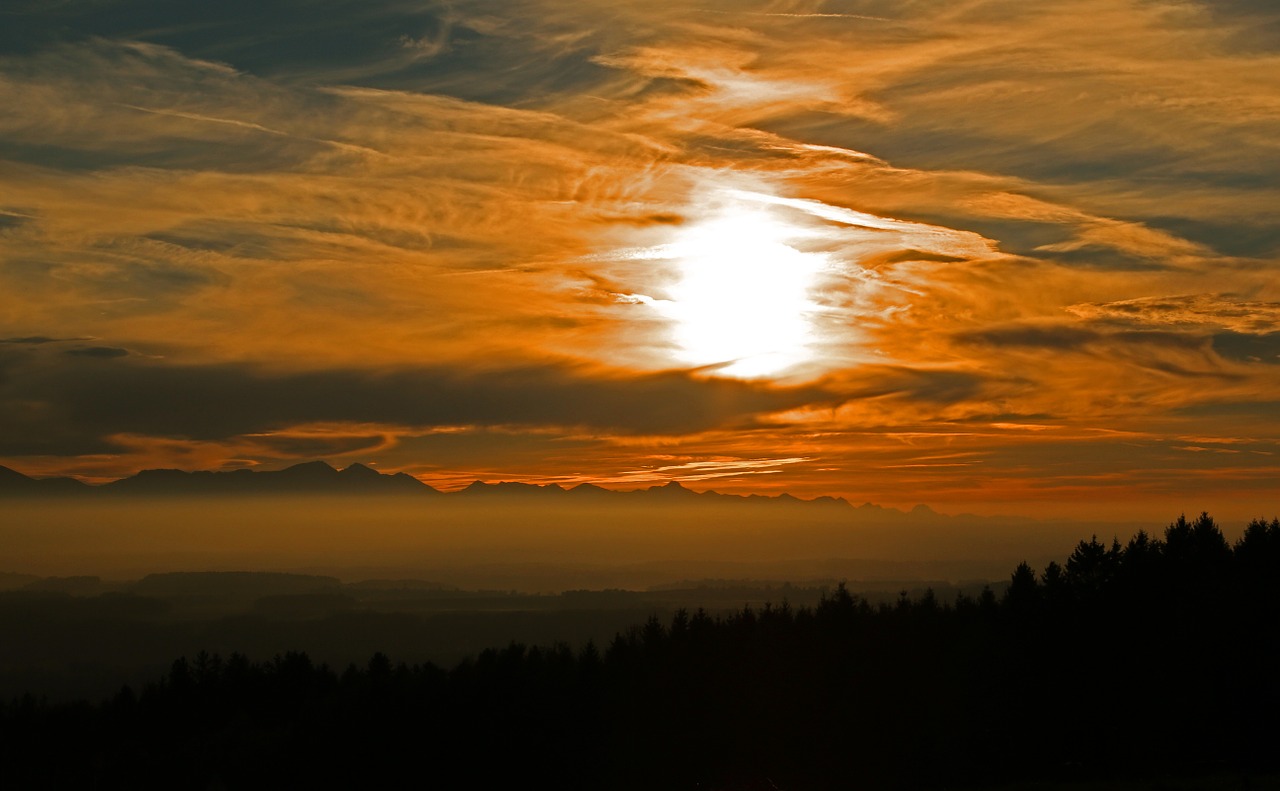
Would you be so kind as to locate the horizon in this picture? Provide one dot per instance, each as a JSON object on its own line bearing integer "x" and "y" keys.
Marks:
{"x": 916, "y": 508}
{"x": 986, "y": 257}
{"x": 511, "y": 535}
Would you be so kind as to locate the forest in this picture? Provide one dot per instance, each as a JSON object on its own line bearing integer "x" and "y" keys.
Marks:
{"x": 1127, "y": 663}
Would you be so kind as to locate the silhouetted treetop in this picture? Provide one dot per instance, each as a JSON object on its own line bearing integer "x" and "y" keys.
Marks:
{"x": 1134, "y": 660}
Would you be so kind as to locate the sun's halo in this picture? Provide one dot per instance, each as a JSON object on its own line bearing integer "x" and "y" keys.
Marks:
{"x": 743, "y": 298}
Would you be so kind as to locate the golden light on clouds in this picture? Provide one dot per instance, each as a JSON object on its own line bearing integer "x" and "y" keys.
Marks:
{"x": 555, "y": 242}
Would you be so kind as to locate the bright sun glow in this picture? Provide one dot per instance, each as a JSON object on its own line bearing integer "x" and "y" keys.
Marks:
{"x": 743, "y": 299}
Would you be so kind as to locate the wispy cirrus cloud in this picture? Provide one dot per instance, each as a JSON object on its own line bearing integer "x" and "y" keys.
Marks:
{"x": 1007, "y": 213}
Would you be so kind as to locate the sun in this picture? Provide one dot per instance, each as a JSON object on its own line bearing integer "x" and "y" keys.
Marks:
{"x": 743, "y": 300}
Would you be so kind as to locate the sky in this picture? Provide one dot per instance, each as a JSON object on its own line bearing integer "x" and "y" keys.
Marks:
{"x": 989, "y": 255}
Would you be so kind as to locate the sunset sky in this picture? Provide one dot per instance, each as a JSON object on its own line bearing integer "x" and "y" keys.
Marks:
{"x": 995, "y": 256}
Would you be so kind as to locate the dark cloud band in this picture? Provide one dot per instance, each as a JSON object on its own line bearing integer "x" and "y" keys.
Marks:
{"x": 71, "y": 408}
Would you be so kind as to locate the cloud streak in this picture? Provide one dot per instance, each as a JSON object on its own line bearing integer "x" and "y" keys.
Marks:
{"x": 253, "y": 237}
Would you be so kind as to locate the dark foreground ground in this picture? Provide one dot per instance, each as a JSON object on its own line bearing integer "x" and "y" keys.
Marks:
{"x": 72, "y": 638}
{"x": 1149, "y": 665}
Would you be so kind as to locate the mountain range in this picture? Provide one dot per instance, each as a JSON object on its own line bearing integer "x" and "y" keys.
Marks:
{"x": 311, "y": 477}
{"x": 319, "y": 477}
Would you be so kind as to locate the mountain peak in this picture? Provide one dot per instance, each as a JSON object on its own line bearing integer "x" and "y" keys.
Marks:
{"x": 356, "y": 468}
{"x": 162, "y": 472}
{"x": 408, "y": 479}
{"x": 14, "y": 482}
{"x": 310, "y": 468}
{"x": 672, "y": 488}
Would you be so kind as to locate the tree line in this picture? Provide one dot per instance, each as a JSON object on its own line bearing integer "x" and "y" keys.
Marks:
{"x": 1153, "y": 658}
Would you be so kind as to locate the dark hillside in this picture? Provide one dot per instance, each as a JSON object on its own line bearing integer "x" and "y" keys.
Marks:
{"x": 1124, "y": 664}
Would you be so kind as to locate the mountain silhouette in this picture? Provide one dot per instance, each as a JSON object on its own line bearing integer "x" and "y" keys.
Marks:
{"x": 321, "y": 478}
{"x": 14, "y": 482}
{"x": 590, "y": 491}
{"x": 313, "y": 477}
{"x": 511, "y": 489}
{"x": 673, "y": 489}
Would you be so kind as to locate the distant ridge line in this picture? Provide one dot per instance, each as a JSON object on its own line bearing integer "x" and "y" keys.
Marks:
{"x": 319, "y": 477}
